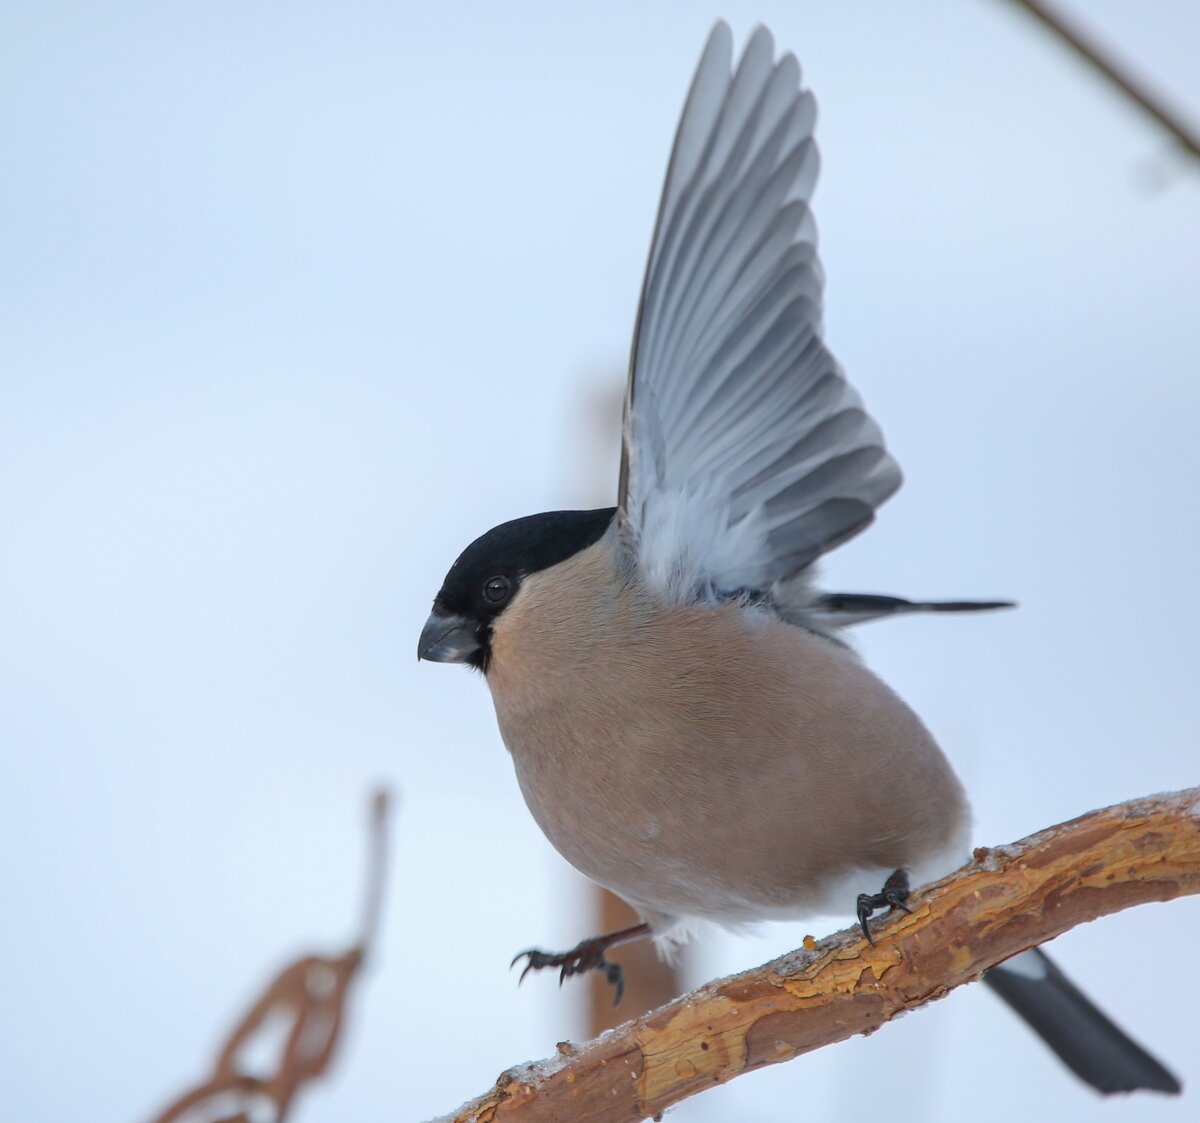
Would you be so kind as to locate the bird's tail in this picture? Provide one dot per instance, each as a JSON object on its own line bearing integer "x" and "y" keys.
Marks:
{"x": 841, "y": 610}
{"x": 1084, "y": 1038}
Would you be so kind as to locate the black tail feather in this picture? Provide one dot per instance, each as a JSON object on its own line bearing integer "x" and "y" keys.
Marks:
{"x": 1085, "y": 1039}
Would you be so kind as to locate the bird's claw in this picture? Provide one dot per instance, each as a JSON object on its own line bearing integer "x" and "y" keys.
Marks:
{"x": 893, "y": 895}
{"x": 587, "y": 955}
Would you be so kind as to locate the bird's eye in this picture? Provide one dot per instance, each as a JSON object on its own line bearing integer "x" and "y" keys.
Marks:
{"x": 496, "y": 589}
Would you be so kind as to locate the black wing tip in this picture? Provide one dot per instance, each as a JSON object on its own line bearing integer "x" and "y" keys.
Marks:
{"x": 886, "y": 605}
{"x": 967, "y": 605}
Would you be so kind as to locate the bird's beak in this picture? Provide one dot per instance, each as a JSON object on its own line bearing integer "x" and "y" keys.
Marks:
{"x": 447, "y": 638}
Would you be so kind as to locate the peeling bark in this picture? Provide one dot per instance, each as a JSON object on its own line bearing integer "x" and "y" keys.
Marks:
{"x": 1008, "y": 899}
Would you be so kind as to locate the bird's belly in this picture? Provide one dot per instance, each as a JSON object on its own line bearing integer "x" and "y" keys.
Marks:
{"x": 733, "y": 798}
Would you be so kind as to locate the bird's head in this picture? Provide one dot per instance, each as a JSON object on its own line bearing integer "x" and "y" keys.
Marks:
{"x": 487, "y": 577}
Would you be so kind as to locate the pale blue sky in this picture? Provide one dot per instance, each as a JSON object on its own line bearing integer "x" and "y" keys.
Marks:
{"x": 299, "y": 299}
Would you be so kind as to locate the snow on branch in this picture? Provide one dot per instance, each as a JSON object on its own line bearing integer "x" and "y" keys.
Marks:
{"x": 1007, "y": 899}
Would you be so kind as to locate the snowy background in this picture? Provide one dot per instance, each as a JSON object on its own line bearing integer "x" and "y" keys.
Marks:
{"x": 300, "y": 298}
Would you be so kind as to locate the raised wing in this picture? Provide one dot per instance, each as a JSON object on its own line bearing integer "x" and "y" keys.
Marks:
{"x": 746, "y": 453}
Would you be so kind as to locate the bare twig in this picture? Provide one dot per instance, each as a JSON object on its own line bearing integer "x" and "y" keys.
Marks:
{"x": 1008, "y": 899}
{"x": 377, "y": 857}
{"x": 1072, "y": 37}
{"x": 307, "y": 998}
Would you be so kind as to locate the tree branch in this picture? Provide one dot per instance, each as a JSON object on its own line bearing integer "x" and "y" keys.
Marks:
{"x": 1007, "y": 899}
{"x": 1090, "y": 53}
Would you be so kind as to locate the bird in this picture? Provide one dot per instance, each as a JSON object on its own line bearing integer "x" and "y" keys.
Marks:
{"x": 688, "y": 724}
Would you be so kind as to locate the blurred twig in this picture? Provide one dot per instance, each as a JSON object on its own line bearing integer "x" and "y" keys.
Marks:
{"x": 307, "y": 1001}
{"x": 1072, "y": 37}
{"x": 1008, "y": 899}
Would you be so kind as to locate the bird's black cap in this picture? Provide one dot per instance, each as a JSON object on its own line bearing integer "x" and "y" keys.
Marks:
{"x": 489, "y": 571}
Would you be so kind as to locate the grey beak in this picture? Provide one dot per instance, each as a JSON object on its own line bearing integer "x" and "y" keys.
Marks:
{"x": 447, "y": 638}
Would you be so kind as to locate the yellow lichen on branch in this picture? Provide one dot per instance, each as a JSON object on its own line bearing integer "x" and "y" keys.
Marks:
{"x": 1006, "y": 900}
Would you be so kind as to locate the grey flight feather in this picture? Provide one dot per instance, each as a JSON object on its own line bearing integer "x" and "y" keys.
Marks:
{"x": 746, "y": 453}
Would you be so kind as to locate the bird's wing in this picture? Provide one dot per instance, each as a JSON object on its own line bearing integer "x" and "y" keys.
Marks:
{"x": 830, "y": 611}
{"x": 746, "y": 453}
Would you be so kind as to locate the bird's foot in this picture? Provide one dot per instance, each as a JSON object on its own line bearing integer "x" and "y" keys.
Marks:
{"x": 893, "y": 895}
{"x": 587, "y": 955}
